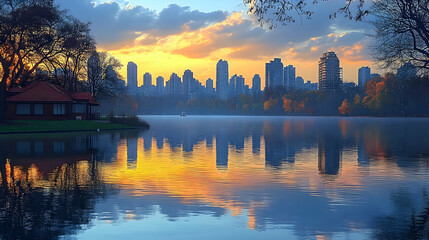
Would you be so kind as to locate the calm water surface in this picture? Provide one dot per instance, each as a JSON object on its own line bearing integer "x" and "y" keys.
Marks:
{"x": 220, "y": 178}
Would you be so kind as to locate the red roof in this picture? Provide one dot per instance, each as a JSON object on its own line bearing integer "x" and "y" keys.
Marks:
{"x": 47, "y": 92}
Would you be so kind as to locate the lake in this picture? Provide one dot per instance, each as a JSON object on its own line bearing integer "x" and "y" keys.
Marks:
{"x": 214, "y": 177}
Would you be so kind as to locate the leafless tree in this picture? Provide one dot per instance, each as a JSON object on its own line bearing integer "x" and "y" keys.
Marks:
{"x": 272, "y": 12}
{"x": 103, "y": 76}
{"x": 401, "y": 32}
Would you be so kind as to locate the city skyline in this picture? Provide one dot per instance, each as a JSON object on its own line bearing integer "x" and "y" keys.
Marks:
{"x": 203, "y": 35}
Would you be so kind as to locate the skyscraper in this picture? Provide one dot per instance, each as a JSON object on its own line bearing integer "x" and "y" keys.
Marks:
{"x": 299, "y": 83}
{"x": 174, "y": 85}
{"x": 364, "y": 74}
{"x": 274, "y": 73}
{"x": 329, "y": 72}
{"x": 232, "y": 84}
{"x": 132, "y": 78}
{"x": 406, "y": 71}
{"x": 239, "y": 85}
{"x": 289, "y": 77}
{"x": 160, "y": 85}
{"x": 188, "y": 79}
{"x": 209, "y": 87}
{"x": 147, "y": 80}
{"x": 256, "y": 84}
{"x": 222, "y": 76}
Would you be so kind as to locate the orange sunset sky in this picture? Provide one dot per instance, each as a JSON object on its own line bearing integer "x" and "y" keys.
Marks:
{"x": 163, "y": 37}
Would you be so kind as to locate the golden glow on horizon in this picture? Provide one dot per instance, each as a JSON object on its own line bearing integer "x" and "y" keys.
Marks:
{"x": 194, "y": 50}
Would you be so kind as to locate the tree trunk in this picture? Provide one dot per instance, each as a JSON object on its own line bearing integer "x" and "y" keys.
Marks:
{"x": 3, "y": 104}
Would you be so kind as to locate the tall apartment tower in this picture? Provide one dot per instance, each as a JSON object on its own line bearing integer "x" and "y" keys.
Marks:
{"x": 147, "y": 80}
{"x": 188, "y": 79}
{"x": 132, "y": 78}
{"x": 289, "y": 77}
{"x": 364, "y": 74}
{"x": 256, "y": 84}
{"x": 274, "y": 73}
{"x": 330, "y": 73}
{"x": 209, "y": 86}
{"x": 222, "y": 76}
{"x": 160, "y": 85}
{"x": 239, "y": 85}
{"x": 174, "y": 85}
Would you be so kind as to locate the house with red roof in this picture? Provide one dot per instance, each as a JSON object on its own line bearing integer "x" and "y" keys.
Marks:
{"x": 46, "y": 101}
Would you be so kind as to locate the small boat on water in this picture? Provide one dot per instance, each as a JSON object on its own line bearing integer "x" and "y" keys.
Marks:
{"x": 183, "y": 114}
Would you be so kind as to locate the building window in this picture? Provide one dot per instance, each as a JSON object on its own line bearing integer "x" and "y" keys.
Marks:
{"x": 38, "y": 109}
{"x": 22, "y": 109}
{"x": 59, "y": 147}
{"x": 38, "y": 147}
{"x": 79, "y": 108}
{"x": 59, "y": 109}
{"x": 23, "y": 147}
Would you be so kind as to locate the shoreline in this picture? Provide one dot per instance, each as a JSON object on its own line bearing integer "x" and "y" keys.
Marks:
{"x": 34, "y": 127}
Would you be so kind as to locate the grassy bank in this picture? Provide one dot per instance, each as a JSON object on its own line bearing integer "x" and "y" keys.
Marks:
{"x": 59, "y": 126}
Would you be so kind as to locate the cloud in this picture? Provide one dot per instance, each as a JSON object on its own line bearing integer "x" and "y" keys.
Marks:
{"x": 114, "y": 26}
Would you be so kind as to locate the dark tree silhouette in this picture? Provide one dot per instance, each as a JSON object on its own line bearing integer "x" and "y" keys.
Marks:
{"x": 35, "y": 33}
{"x": 402, "y": 32}
{"x": 103, "y": 75}
{"x": 272, "y": 12}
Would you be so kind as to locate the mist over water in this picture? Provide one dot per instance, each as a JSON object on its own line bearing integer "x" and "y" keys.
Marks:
{"x": 211, "y": 177}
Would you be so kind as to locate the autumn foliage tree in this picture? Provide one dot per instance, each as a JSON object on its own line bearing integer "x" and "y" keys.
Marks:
{"x": 345, "y": 108}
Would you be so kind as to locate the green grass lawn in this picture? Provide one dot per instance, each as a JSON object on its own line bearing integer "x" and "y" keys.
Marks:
{"x": 72, "y": 125}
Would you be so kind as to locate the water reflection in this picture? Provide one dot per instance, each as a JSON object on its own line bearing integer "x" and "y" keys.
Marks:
{"x": 303, "y": 177}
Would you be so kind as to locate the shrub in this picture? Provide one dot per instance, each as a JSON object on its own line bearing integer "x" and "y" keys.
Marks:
{"x": 133, "y": 121}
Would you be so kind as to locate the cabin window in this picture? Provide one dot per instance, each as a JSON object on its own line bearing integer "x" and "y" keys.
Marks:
{"x": 59, "y": 147}
{"x": 59, "y": 109}
{"x": 79, "y": 108}
{"x": 38, "y": 109}
{"x": 23, "y": 147}
{"x": 22, "y": 109}
{"x": 38, "y": 147}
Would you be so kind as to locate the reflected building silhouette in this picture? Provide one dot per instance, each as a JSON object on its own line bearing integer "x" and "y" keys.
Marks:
{"x": 329, "y": 152}
{"x": 221, "y": 150}
{"x": 132, "y": 148}
{"x": 363, "y": 158}
{"x": 256, "y": 142}
{"x": 147, "y": 141}
{"x": 279, "y": 147}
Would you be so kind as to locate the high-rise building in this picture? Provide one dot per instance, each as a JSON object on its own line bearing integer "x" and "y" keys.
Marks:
{"x": 160, "y": 85}
{"x": 329, "y": 73}
{"x": 132, "y": 78}
{"x": 188, "y": 79}
{"x": 274, "y": 73}
{"x": 299, "y": 83}
{"x": 406, "y": 71}
{"x": 239, "y": 85}
{"x": 209, "y": 86}
{"x": 222, "y": 76}
{"x": 174, "y": 85}
{"x": 160, "y": 82}
{"x": 364, "y": 75}
{"x": 289, "y": 77}
{"x": 147, "y": 80}
{"x": 256, "y": 84}
{"x": 232, "y": 84}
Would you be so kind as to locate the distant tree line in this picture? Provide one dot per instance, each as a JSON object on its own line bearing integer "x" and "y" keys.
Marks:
{"x": 390, "y": 95}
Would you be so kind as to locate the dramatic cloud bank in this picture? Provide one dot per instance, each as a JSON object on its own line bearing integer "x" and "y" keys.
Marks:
{"x": 181, "y": 37}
